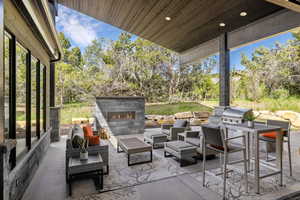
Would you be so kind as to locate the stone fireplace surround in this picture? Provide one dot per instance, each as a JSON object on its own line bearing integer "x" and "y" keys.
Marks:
{"x": 120, "y": 115}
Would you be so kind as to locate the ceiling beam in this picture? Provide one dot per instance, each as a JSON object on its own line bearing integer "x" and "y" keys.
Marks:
{"x": 269, "y": 26}
{"x": 289, "y": 4}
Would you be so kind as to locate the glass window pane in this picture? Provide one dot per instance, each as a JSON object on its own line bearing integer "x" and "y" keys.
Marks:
{"x": 6, "y": 86}
{"x": 21, "y": 100}
{"x": 33, "y": 98}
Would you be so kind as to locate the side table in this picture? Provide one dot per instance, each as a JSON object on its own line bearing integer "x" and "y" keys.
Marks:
{"x": 92, "y": 166}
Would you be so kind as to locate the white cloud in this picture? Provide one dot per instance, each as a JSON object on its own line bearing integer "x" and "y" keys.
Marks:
{"x": 81, "y": 29}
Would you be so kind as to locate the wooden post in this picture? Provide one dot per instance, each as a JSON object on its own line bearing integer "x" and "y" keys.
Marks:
{"x": 224, "y": 71}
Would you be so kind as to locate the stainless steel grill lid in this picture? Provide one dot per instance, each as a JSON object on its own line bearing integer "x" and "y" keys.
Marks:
{"x": 236, "y": 112}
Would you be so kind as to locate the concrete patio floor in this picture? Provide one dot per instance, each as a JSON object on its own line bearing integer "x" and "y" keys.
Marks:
{"x": 49, "y": 182}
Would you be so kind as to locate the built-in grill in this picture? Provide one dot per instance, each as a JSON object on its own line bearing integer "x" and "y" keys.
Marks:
{"x": 234, "y": 115}
{"x": 229, "y": 115}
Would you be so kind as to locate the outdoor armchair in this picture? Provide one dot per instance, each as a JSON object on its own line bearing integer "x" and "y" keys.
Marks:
{"x": 101, "y": 149}
{"x": 172, "y": 131}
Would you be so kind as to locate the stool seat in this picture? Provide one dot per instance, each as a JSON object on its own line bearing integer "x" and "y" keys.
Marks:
{"x": 179, "y": 145}
{"x": 155, "y": 138}
{"x": 184, "y": 152}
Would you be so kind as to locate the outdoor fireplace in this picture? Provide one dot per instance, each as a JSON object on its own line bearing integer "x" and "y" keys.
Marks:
{"x": 120, "y": 115}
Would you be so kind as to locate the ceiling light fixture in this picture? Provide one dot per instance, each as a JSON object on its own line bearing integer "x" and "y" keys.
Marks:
{"x": 222, "y": 24}
{"x": 243, "y": 14}
{"x": 168, "y": 18}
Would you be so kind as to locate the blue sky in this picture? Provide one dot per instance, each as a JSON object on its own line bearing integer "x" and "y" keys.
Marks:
{"x": 82, "y": 30}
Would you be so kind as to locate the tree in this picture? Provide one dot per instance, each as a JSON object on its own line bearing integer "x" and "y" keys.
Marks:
{"x": 75, "y": 57}
{"x": 94, "y": 53}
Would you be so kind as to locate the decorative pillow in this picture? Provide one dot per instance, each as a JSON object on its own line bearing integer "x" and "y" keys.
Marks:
{"x": 94, "y": 140}
{"x": 76, "y": 141}
{"x": 272, "y": 134}
{"x": 88, "y": 131}
{"x": 180, "y": 124}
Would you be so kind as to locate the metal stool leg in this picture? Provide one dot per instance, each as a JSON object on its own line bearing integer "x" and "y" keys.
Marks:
{"x": 225, "y": 174}
{"x": 245, "y": 163}
{"x": 290, "y": 156}
{"x": 204, "y": 160}
{"x": 245, "y": 170}
{"x": 221, "y": 163}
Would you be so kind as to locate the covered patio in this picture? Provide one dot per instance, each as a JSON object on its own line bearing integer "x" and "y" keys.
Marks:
{"x": 195, "y": 30}
{"x": 162, "y": 179}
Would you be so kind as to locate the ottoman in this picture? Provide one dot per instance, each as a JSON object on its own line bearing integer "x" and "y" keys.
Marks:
{"x": 184, "y": 152}
{"x": 155, "y": 138}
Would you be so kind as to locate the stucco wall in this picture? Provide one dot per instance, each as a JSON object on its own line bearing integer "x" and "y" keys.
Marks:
{"x": 15, "y": 23}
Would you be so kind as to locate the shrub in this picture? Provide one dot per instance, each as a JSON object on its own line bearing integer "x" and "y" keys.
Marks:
{"x": 279, "y": 94}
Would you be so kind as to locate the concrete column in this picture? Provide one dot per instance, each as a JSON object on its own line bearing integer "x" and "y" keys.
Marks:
{"x": 224, "y": 70}
{"x": 55, "y": 123}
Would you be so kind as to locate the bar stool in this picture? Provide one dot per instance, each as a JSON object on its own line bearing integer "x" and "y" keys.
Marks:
{"x": 216, "y": 139}
{"x": 271, "y": 137}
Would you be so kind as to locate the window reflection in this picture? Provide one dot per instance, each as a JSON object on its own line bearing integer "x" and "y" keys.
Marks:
{"x": 33, "y": 98}
{"x": 21, "y": 99}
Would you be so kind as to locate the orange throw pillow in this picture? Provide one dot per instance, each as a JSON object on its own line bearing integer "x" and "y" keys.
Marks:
{"x": 87, "y": 130}
{"x": 94, "y": 140}
{"x": 270, "y": 134}
{"x": 88, "y": 134}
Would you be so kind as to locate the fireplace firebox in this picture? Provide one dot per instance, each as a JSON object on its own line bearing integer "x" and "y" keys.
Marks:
{"x": 115, "y": 116}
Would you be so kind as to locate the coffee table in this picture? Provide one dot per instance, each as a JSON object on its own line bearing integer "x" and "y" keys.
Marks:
{"x": 92, "y": 166}
{"x": 132, "y": 146}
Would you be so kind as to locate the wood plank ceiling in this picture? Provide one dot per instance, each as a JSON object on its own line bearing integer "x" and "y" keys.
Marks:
{"x": 289, "y": 4}
{"x": 192, "y": 21}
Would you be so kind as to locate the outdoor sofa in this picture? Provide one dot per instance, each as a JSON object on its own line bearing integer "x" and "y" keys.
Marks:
{"x": 101, "y": 149}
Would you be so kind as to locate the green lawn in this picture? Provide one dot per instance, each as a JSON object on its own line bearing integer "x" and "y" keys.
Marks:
{"x": 76, "y": 110}
{"x": 170, "y": 109}
{"x": 291, "y": 103}
{"x": 80, "y": 110}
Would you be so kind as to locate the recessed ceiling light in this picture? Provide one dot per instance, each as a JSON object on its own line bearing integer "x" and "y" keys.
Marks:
{"x": 222, "y": 24}
{"x": 168, "y": 18}
{"x": 243, "y": 14}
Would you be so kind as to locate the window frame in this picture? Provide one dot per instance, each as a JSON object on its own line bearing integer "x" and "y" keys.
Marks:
{"x": 38, "y": 100}
{"x": 44, "y": 98}
{"x": 40, "y": 76}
